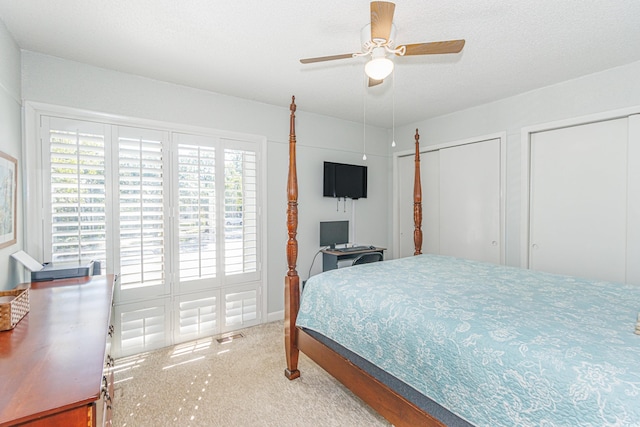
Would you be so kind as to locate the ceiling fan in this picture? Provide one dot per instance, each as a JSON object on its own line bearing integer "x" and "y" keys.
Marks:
{"x": 378, "y": 40}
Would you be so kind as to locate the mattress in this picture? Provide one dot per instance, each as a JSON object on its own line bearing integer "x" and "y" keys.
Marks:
{"x": 495, "y": 345}
{"x": 412, "y": 395}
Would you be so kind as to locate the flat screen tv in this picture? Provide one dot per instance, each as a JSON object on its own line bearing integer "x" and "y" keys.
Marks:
{"x": 343, "y": 180}
{"x": 334, "y": 233}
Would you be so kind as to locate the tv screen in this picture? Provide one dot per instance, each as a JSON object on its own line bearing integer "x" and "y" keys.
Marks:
{"x": 343, "y": 180}
{"x": 334, "y": 233}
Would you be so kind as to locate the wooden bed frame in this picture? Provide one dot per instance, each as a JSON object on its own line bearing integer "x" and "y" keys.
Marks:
{"x": 394, "y": 407}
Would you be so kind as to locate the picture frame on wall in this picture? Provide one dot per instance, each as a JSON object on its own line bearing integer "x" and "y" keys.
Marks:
{"x": 8, "y": 199}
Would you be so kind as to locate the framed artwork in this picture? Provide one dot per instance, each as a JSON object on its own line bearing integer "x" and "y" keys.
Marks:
{"x": 8, "y": 199}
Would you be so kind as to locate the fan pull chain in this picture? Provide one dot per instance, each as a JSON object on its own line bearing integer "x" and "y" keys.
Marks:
{"x": 393, "y": 109}
{"x": 364, "y": 120}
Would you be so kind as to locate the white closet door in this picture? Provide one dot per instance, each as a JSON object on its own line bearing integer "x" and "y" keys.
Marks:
{"x": 430, "y": 180}
{"x": 633, "y": 201}
{"x": 470, "y": 201}
{"x": 461, "y": 202}
{"x": 578, "y": 200}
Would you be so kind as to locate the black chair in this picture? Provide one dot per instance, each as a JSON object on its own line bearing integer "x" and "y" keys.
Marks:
{"x": 367, "y": 258}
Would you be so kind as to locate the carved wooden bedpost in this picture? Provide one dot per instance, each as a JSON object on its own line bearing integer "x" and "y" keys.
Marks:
{"x": 292, "y": 280}
{"x": 417, "y": 201}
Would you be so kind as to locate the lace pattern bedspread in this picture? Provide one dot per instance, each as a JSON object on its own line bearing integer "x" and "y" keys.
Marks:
{"x": 496, "y": 345}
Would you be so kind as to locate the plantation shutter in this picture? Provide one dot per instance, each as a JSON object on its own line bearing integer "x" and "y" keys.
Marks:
{"x": 241, "y": 307}
{"x": 240, "y": 212}
{"x": 76, "y": 164}
{"x": 142, "y": 326}
{"x": 217, "y": 227}
{"x": 174, "y": 214}
{"x": 197, "y": 228}
{"x": 142, "y": 221}
{"x": 198, "y": 315}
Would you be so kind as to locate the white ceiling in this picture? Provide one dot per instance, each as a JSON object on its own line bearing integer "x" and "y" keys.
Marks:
{"x": 251, "y": 48}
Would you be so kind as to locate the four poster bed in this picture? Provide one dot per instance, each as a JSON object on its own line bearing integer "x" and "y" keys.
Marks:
{"x": 432, "y": 341}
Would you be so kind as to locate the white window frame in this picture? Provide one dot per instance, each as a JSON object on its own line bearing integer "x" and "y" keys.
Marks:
{"x": 35, "y": 209}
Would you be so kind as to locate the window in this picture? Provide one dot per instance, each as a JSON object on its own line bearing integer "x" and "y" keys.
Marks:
{"x": 197, "y": 212}
{"x": 240, "y": 307}
{"x": 198, "y": 315}
{"x": 240, "y": 211}
{"x": 141, "y": 207}
{"x": 174, "y": 214}
{"x": 77, "y": 196}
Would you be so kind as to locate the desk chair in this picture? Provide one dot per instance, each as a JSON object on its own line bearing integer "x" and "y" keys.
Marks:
{"x": 367, "y": 258}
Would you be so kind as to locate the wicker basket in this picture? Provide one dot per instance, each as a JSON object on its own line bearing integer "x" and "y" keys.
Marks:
{"x": 11, "y": 312}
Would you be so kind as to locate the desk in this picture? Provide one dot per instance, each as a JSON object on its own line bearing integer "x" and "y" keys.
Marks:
{"x": 52, "y": 364}
{"x": 331, "y": 257}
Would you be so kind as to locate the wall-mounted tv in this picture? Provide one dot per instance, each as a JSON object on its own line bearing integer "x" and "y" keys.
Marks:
{"x": 343, "y": 180}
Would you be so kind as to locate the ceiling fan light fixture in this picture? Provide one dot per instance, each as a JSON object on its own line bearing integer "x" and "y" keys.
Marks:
{"x": 378, "y": 40}
{"x": 379, "y": 68}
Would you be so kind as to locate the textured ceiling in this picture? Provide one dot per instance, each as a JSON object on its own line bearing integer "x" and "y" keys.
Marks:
{"x": 251, "y": 48}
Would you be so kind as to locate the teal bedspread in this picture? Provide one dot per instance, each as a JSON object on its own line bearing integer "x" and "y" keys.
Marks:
{"x": 496, "y": 345}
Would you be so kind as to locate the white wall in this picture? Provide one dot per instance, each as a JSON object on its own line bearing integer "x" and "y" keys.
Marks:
{"x": 56, "y": 81}
{"x": 11, "y": 143}
{"x": 609, "y": 90}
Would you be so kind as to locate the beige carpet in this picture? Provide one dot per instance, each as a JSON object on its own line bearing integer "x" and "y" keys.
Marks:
{"x": 241, "y": 383}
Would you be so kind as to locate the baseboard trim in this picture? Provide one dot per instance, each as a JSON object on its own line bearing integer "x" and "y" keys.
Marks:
{"x": 275, "y": 316}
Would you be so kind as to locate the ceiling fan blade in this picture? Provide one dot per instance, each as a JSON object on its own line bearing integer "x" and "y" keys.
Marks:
{"x": 434, "y": 48}
{"x": 381, "y": 19}
{"x": 374, "y": 82}
{"x": 326, "y": 58}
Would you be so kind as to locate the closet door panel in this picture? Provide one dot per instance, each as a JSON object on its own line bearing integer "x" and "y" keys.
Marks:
{"x": 430, "y": 181}
{"x": 633, "y": 205}
{"x": 578, "y": 200}
{"x": 470, "y": 201}
{"x": 460, "y": 201}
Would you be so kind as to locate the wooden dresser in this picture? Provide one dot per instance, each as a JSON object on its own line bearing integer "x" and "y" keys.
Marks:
{"x": 54, "y": 365}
